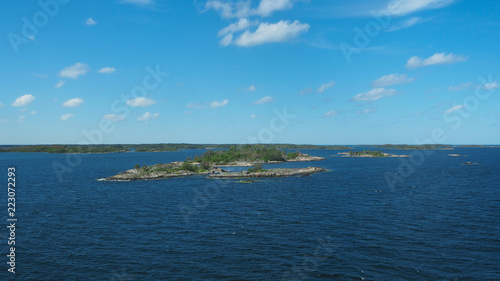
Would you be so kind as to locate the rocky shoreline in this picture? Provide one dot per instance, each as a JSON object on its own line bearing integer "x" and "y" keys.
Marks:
{"x": 272, "y": 173}
{"x": 176, "y": 169}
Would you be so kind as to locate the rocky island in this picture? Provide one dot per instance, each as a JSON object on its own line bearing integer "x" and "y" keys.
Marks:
{"x": 368, "y": 154}
{"x": 210, "y": 163}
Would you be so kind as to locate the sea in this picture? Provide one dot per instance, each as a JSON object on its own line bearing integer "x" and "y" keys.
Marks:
{"x": 428, "y": 217}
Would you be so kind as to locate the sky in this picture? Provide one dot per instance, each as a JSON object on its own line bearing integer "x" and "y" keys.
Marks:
{"x": 256, "y": 71}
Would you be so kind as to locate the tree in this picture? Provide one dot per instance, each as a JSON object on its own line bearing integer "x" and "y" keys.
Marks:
{"x": 137, "y": 166}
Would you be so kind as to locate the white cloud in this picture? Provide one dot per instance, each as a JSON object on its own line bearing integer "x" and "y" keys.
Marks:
{"x": 461, "y": 87}
{"x": 140, "y": 102}
{"x": 436, "y": 59}
{"x": 4, "y": 120}
{"x": 107, "y": 70}
{"x": 281, "y": 31}
{"x": 1, "y": 105}
{"x": 491, "y": 86}
{"x": 405, "y": 24}
{"x": 252, "y": 88}
{"x": 148, "y": 116}
{"x": 33, "y": 112}
{"x": 21, "y": 118}
{"x": 305, "y": 91}
{"x": 75, "y": 70}
{"x": 391, "y": 79}
{"x": 331, "y": 113}
{"x": 374, "y": 94}
{"x": 114, "y": 117}
{"x": 59, "y": 84}
{"x": 242, "y": 9}
{"x": 454, "y": 108}
{"x": 253, "y": 116}
{"x": 264, "y": 100}
{"x": 90, "y": 22}
{"x": 23, "y": 100}
{"x": 326, "y": 86}
{"x": 216, "y": 104}
{"x": 406, "y": 7}
{"x": 66, "y": 116}
{"x": 73, "y": 102}
{"x": 267, "y": 7}
{"x": 367, "y": 110}
{"x": 213, "y": 104}
{"x": 227, "y": 32}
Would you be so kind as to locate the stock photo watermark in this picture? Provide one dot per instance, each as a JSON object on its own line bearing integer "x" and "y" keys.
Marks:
{"x": 201, "y": 200}
{"x": 31, "y": 26}
{"x": 364, "y": 36}
{"x": 119, "y": 106}
{"x": 455, "y": 118}
{"x": 310, "y": 263}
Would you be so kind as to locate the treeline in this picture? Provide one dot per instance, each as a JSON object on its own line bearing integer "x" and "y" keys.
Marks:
{"x": 368, "y": 152}
{"x": 412, "y": 147}
{"x": 65, "y": 148}
{"x": 249, "y": 153}
{"x": 109, "y": 148}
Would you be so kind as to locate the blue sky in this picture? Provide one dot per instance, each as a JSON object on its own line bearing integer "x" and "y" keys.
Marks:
{"x": 280, "y": 71}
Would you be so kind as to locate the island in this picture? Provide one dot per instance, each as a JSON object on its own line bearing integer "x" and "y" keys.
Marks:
{"x": 368, "y": 154}
{"x": 211, "y": 162}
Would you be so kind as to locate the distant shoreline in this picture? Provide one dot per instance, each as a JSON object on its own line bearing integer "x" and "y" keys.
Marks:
{"x": 125, "y": 148}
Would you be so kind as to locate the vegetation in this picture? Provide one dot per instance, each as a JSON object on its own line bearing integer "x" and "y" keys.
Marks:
{"x": 256, "y": 168}
{"x": 109, "y": 148}
{"x": 414, "y": 147}
{"x": 368, "y": 153}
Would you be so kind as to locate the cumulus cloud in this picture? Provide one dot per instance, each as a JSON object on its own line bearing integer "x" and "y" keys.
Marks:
{"x": 107, "y": 70}
{"x": 1, "y": 105}
{"x": 253, "y": 116}
{"x": 23, "y": 100}
{"x": 374, "y": 94}
{"x": 326, "y": 86}
{"x": 331, "y": 113}
{"x": 252, "y": 88}
{"x": 242, "y": 9}
{"x": 491, "y": 86}
{"x": 454, "y": 108}
{"x": 227, "y": 32}
{"x": 90, "y": 22}
{"x": 140, "y": 102}
{"x": 391, "y": 79}
{"x": 264, "y": 100}
{"x": 216, "y": 104}
{"x": 73, "y": 102}
{"x": 460, "y": 87}
{"x": 305, "y": 91}
{"x": 66, "y": 116}
{"x": 213, "y": 104}
{"x": 281, "y": 31}
{"x": 114, "y": 117}
{"x": 436, "y": 59}
{"x": 367, "y": 110}
{"x": 148, "y": 116}
{"x": 4, "y": 120}
{"x": 59, "y": 84}
{"x": 75, "y": 70}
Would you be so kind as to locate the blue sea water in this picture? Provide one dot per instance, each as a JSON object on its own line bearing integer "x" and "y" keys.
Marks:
{"x": 439, "y": 222}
